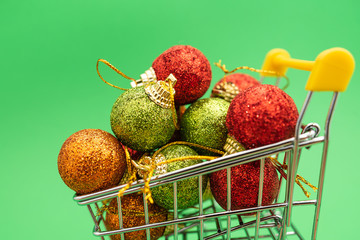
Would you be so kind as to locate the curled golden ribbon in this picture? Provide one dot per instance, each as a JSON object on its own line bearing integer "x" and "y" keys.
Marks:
{"x": 113, "y": 68}
{"x": 148, "y": 170}
{"x": 281, "y": 167}
{"x": 166, "y": 84}
{"x": 223, "y": 68}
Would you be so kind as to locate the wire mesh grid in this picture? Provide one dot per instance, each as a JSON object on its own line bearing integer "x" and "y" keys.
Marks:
{"x": 242, "y": 227}
{"x": 209, "y": 221}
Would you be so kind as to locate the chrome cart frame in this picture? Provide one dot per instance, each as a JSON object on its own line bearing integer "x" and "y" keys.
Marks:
{"x": 276, "y": 217}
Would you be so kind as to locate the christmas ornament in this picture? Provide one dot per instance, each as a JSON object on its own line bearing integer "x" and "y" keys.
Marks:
{"x": 231, "y": 85}
{"x": 204, "y": 123}
{"x": 261, "y": 115}
{"x": 91, "y": 160}
{"x": 187, "y": 189}
{"x": 245, "y": 185}
{"x": 143, "y": 118}
{"x": 132, "y": 207}
{"x": 191, "y": 69}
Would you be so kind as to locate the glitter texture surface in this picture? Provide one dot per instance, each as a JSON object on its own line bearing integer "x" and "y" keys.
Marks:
{"x": 91, "y": 160}
{"x": 139, "y": 123}
{"x": 245, "y": 185}
{"x": 191, "y": 69}
{"x": 188, "y": 189}
{"x": 204, "y": 123}
{"x": 132, "y": 207}
{"x": 261, "y": 115}
{"x": 240, "y": 80}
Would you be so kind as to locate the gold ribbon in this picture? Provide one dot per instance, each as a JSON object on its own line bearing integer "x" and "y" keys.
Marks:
{"x": 166, "y": 84}
{"x": 131, "y": 172}
{"x": 149, "y": 169}
{"x": 223, "y": 68}
{"x": 113, "y": 68}
{"x": 135, "y": 213}
{"x": 281, "y": 167}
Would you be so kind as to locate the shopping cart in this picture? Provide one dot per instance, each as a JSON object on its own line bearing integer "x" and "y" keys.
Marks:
{"x": 331, "y": 71}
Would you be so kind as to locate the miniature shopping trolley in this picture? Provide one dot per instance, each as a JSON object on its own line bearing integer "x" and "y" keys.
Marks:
{"x": 331, "y": 71}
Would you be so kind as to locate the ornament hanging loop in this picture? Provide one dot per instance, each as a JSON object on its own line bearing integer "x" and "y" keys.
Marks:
{"x": 113, "y": 68}
{"x": 171, "y": 81}
{"x": 223, "y": 68}
{"x": 140, "y": 166}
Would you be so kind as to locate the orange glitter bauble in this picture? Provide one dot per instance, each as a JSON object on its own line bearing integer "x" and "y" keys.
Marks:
{"x": 132, "y": 207}
{"x": 91, "y": 160}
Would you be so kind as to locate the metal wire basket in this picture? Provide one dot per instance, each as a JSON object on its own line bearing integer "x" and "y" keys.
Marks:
{"x": 331, "y": 71}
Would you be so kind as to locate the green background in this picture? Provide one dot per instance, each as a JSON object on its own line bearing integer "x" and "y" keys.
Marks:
{"x": 50, "y": 89}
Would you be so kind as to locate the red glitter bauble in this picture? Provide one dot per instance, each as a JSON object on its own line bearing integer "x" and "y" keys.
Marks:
{"x": 245, "y": 185}
{"x": 191, "y": 69}
{"x": 241, "y": 82}
{"x": 261, "y": 115}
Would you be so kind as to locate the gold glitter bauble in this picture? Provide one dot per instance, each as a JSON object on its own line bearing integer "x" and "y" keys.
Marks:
{"x": 91, "y": 160}
{"x": 132, "y": 207}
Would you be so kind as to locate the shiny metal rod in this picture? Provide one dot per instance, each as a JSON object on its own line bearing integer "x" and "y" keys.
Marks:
{"x": 260, "y": 193}
{"x": 118, "y": 199}
{"x": 146, "y": 211}
{"x": 245, "y": 226}
{"x": 201, "y": 211}
{"x": 217, "y": 222}
{"x": 306, "y": 137}
{"x": 323, "y": 164}
{"x": 277, "y": 83}
{"x": 288, "y": 183}
{"x": 292, "y": 172}
{"x": 97, "y": 227}
{"x": 228, "y": 201}
{"x": 207, "y": 216}
{"x": 212, "y": 166}
{"x": 175, "y": 211}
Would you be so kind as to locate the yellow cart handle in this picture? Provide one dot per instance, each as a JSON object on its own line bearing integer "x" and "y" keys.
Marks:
{"x": 331, "y": 70}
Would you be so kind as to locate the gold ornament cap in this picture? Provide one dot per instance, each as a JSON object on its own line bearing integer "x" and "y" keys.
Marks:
{"x": 159, "y": 92}
{"x": 148, "y": 77}
{"x": 226, "y": 90}
{"x": 146, "y": 161}
{"x": 232, "y": 146}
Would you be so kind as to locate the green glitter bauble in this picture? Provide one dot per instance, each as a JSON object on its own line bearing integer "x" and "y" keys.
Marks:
{"x": 187, "y": 189}
{"x": 139, "y": 123}
{"x": 204, "y": 123}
